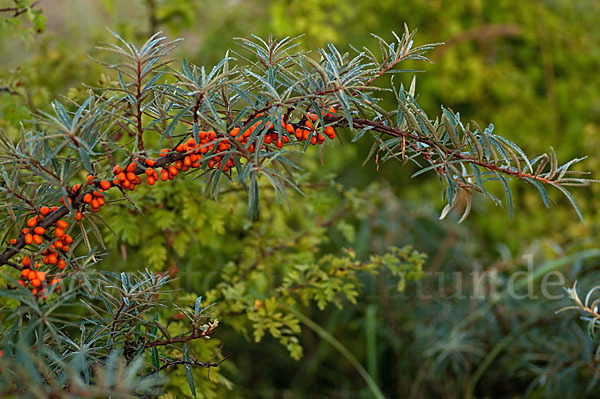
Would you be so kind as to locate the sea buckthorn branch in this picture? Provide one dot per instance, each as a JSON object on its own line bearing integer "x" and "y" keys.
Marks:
{"x": 182, "y": 339}
{"x": 183, "y": 157}
{"x": 446, "y": 144}
{"x": 141, "y": 69}
{"x": 283, "y": 100}
{"x": 125, "y": 318}
{"x": 448, "y": 153}
{"x": 207, "y": 365}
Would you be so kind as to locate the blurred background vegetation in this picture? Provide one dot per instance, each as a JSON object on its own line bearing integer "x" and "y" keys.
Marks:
{"x": 528, "y": 67}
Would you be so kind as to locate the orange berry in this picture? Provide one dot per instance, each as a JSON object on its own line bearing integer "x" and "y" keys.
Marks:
{"x": 329, "y": 131}
{"x": 39, "y": 230}
{"x": 308, "y": 124}
{"x": 41, "y": 276}
{"x": 305, "y": 134}
{"x": 57, "y": 244}
{"x": 101, "y": 201}
{"x": 173, "y": 170}
{"x": 313, "y": 140}
{"x": 87, "y": 198}
{"x": 105, "y": 185}
{"x": 164, "y": 175}
{"x": 26, "y": 261}
{"x": 117, "y": 169}
{"x": 95, "y": 204}
{"x": 313, "y": 117}
{"x": 235, "y": 131}
{"x": 178, "y": 164}
{"x": 25, "y": 231}
{"x": 32, "y": 221}
{"x": 278, "y": 144}
{"x": 76, "y": 187}
{"x": 36, "y": 282}
{"x": 44, "y": 210}
{"x": 150, "y": 162}
{"x": 37, "y": 239}
{"x": 21, "y": 283}
{"x": 52, "y": 259}
{"x": 131, "y": 167}
{"x": 89, "y": 179}
{"x": 78, "y": 216}
{"x": 61, "y": 264}
{"x": 151, "y": 180}
{"x": 28, "y": 238}
{"x": 58, "y": 232}
{"x": 131, "y": 176}
{"x": 12, "y": 241}
{"x": 62, "y": 224}
{"x": 25, "y": 273}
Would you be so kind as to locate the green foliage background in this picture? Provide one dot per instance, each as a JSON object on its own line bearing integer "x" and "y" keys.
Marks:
{"x": 528, "y": 67}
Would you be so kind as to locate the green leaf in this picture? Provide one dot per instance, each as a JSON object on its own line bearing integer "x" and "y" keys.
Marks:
{"x": 571, "y": 200}
{"x": 361, "y": 133}
{"x": 541, "y": 189}
{"x": 188, "y": 369}
{"x": 253, "y": 198}
{"x": 507, "y": 192}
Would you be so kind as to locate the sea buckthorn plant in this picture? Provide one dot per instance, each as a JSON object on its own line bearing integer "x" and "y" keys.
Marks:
{"x": 94, "y": 172}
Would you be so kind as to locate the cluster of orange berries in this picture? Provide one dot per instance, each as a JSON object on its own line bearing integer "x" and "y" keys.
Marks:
{"x": 31, "y": 275}
{"x": 124, "y": 178}
{"x": 53, "y": 255}
{"x": 309, "y": 133}
{"x": 303, "y": 131}
{"x": 207, "y": 143}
